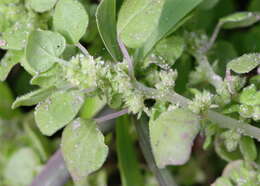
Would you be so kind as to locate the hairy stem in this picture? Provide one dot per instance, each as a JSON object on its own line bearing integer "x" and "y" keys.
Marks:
{"x": 213, "y": 37}
{"x": 213, "y": 78}
{"x": 82, "y": 49}
{"x": 111, "y": 116}
{"x": 220, "y": 119}
{"x": 127, "y": 58}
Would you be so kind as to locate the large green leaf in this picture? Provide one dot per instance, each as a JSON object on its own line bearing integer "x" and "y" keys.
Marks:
{"x": 22, "y": 167}
{"x": 106, "y": 22}
{"x": 11, "y": 58}
{"x": 42, "y": 5}
{"x": 245, "y": 63}
{"x": 43, "y": 49}
{"x": 172, "y": 13}
{"x": 83, "y": 148}
{"x": 128, "y": 164}
{"x": 33, "y": 98}
{"x": 70, "y": 19}
{"x": 58, "y": 110}
{"x": 172, "y": 135}
{"x": 137, "y": 19}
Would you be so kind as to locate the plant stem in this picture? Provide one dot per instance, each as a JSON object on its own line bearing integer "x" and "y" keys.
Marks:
{"x": 111, "y": 116}
{"x": 82, "y": 49}
{"x": 220, "y": 119}
{"x": 213, "y": 37}
{"x": 127, "y": 58}
{"x": 213, "y": 78}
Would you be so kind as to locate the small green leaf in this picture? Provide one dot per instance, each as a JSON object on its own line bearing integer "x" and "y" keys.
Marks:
{"x": 128, "y": 164}
{"x": 42, "y": 5}
{"x": 250, "y": 96}
{"x": 52, "y": 77}
{"x": 240, "y": 19}
{"x": 11, "y": 58}
{"x": 245, "y": 63}
{"x": 70, "y": 19}
{"x": 106, "y": 22}
{"x": 172, "y": 136}
{"x": 43, "y": 48}
{"x": 33, "y": 98}
{"x": 83, "y": 148}
{"x": 170, "y": 49}
{"x": 17, "y": 35}
{"x": 22, "y": 167}
{"x": 248, "y": 148}
{"x": 58, "y": 110}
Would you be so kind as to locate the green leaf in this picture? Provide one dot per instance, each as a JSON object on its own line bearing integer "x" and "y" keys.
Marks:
{"x": 11, "y": 58}
{"x": 83, "y": 148}
{"x": 52, "y": 77}
{"x": 128, "y": 164}
{"x": 137, "y": 19}
{"x": 43, "y": 49}
{"x": 168, "y": 20}
{"x": 170, "y": 49}
{"x": 33, "y": 98}
{"x": 106, "y": 22}
{"x": 172, "y": 136}
{"x": 250, "y": 96}
{"x": 22, "y": 167}
{"x": 17, "y": 35}
{"x": 222, "y": 181}
{"x": 58, "y": 110}
{"x": 6, "y": 100}
{"x": 71, "y": 20}
{"x": 42, "y": 5}
{"x": 240, "y": 19}
{"x": 248, "y": 148}
{"x": 245, "y": 63}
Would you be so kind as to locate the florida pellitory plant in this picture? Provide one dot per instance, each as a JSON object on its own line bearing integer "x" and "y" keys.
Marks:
{"x": 140, "y": 73}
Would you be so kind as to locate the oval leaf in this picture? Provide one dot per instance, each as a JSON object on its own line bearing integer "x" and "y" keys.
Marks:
{"x": 240, "y": 19}
{"x": 137, "y": 19}
{"x": 83, "y": 148}
{"x": 70, "y": 19}
{"x": 57, "y": 111}
{"x": 245, "y": 63}
{"x": 43, "y": 48}
{"x": 106, "y": 22}
{"x": 172, "y": 136}
{"x": 42, "y": 5}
